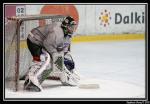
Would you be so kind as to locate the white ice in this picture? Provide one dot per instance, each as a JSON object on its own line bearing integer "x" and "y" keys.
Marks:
{"x": 118, "y": 68}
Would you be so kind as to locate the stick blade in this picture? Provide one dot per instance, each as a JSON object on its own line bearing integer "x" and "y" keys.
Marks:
{"x": 89, "y": 86}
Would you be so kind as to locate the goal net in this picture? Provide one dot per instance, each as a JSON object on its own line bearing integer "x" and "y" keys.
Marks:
{"x": 17, "y": 56}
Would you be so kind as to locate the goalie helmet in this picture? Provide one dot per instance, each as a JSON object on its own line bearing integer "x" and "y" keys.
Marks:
{"x": 68, "y": 25}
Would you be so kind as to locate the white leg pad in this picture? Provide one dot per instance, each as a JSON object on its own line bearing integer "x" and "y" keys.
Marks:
{"x": 37, "y": 69}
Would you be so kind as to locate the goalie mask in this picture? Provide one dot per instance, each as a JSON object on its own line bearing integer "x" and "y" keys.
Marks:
{"x": 68, "y": 25}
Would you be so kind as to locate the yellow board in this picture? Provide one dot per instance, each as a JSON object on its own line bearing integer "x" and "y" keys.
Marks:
{"x": 115, "y": 37}
{"x": 94, "y": 38}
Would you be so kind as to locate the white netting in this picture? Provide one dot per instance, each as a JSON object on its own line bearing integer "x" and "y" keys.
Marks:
{"x": 25, "y": 57}
{"x": 10, "y": 53}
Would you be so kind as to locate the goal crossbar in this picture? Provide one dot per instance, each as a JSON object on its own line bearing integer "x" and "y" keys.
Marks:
{"x": 35, "y": 17}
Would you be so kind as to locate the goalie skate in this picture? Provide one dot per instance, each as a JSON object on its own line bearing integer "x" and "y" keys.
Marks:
{"x": 29, "y": 86}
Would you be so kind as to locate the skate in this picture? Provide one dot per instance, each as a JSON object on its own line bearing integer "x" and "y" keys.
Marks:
{"x": 29, "y": 86}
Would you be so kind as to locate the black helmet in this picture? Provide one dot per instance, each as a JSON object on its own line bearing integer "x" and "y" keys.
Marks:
{"x": 68, "y": 24}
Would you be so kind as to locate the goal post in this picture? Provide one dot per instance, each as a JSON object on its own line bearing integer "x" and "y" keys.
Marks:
{"x": 14, "y": 56}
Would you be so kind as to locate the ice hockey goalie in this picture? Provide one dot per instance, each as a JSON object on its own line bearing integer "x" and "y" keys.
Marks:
{"x": 49, "y": 47}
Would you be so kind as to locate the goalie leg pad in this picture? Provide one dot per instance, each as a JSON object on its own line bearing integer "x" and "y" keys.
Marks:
{"x": 68, "y": 78}
{"x": 58, "y": 61}
{"x": 38, "y": 72}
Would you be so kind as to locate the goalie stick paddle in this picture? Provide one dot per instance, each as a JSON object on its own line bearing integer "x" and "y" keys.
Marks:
{"x": 89, "y": 86}
{"x": 88, "y": 83}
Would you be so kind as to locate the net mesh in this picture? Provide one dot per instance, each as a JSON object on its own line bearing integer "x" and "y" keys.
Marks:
{"x": 25, "y": 57}
{"x": 10, "y": 53}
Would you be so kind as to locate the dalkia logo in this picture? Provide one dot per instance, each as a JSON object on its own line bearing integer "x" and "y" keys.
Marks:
{"x": 120, "y": 18}
{"x": 132, "y": 18}
{"x": 105, "y": 18}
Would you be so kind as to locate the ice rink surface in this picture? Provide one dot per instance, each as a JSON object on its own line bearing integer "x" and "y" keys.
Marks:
{"x": 118, "y": 67}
